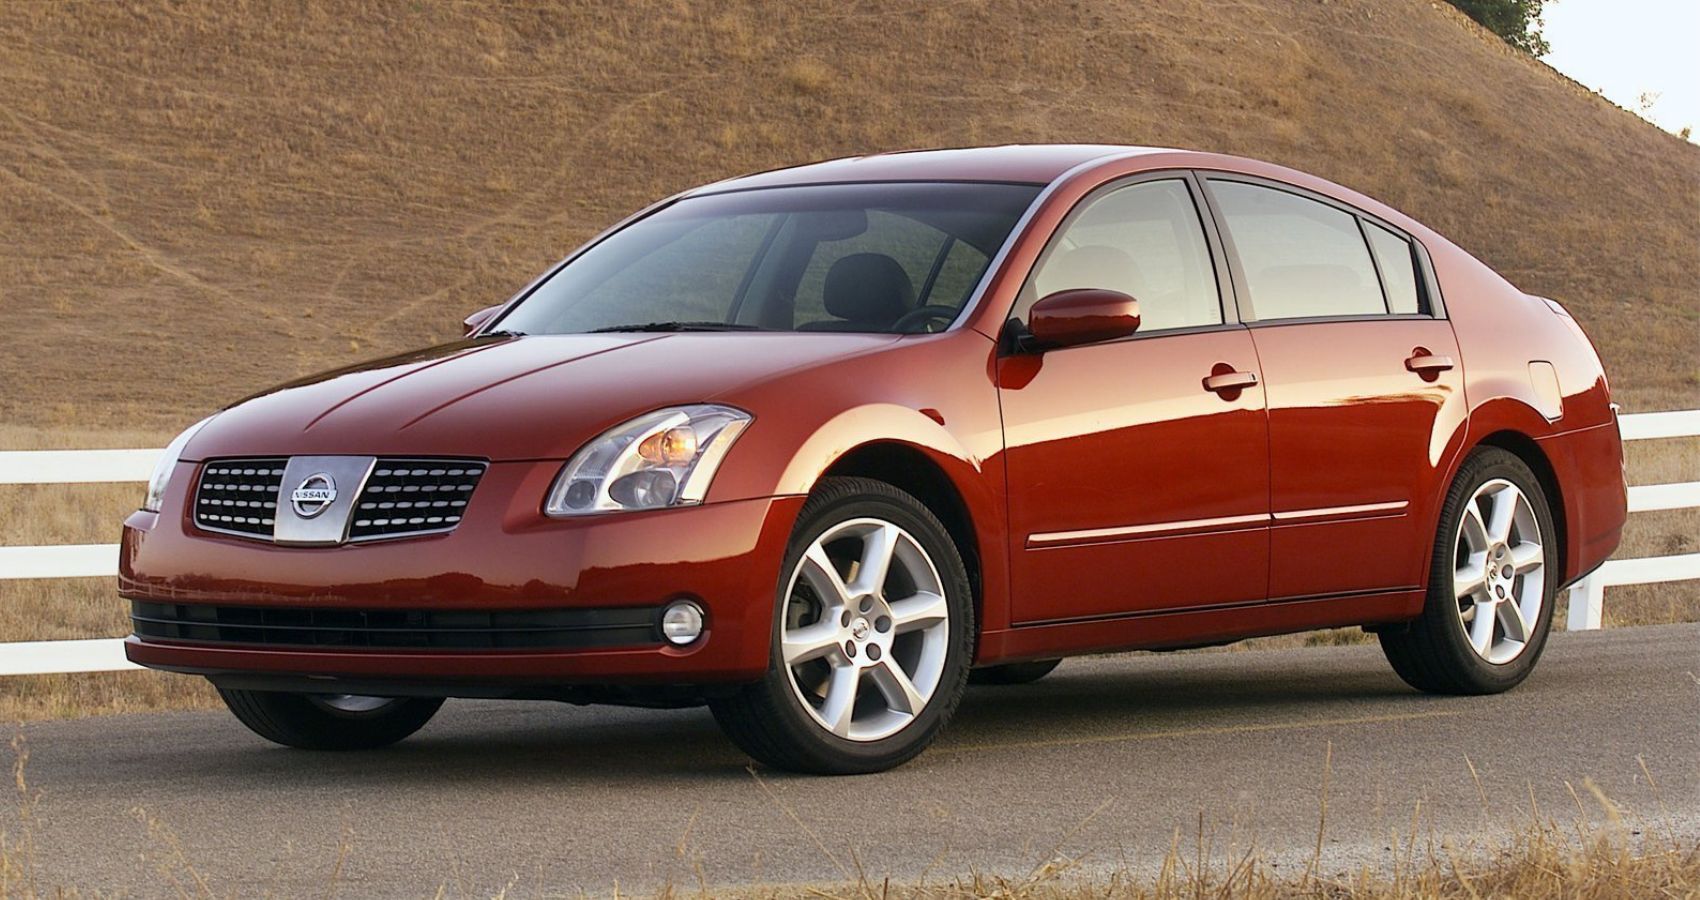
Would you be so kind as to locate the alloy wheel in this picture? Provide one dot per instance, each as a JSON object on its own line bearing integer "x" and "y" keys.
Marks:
{"x": 1499, "y": 571}
{"x": 866, "y": 629}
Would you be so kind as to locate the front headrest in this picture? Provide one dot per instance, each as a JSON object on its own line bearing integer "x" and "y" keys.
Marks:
{"x": 1090, "y": 266}
{"x": 868, "y": 287}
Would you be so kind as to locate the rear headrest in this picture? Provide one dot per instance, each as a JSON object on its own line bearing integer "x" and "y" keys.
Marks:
{"x": 868, "y": 287}
{"x": 1326, "y": 289}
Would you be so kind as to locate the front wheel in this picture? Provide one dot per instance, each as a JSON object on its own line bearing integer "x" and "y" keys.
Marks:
{"x": 330, "y": 721}
{"x": 1492, "y": 583}
{"x": 872, "y": 634}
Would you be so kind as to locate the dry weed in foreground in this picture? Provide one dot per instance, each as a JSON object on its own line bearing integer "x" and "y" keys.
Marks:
{"x": 17, "y": 851}
{"x": 1583, "y": 861}
{"x": 1544, "y": 860}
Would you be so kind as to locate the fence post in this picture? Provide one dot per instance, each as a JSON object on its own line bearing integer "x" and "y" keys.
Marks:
{"x": 1587, "y": 600}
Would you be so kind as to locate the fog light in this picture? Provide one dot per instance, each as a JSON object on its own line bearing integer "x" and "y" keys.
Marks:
{"x": 681, "y": 622}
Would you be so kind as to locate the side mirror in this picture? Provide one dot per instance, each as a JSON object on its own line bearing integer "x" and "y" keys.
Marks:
{"x": 1081, "y": 316}
{"x": 477, "y": 319}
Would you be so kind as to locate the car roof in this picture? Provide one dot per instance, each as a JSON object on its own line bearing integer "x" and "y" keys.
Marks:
{"x": 1023, "y": 163}
{"x": 1046, "y": 164}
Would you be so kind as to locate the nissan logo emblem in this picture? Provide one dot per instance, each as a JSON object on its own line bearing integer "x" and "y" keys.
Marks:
{"x": 314, "y": 496}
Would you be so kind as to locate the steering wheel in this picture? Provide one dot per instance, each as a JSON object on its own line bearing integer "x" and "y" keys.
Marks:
{"x": 906, "y": 323}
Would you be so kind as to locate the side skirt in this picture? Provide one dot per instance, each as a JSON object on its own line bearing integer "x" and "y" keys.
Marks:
{"x": 1193, "y": 628}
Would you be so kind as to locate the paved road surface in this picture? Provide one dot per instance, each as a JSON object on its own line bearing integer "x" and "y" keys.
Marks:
{"x": 1106, "y": 760}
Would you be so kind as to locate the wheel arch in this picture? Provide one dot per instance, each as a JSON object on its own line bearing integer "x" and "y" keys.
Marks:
{"x": 1525, "y": 448}
{"x": 948, "y": 453}
{"x": 907, "y": 468}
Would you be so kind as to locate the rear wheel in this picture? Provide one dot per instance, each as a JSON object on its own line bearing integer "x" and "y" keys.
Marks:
{"x": 871, "y": 638}
{"x": 330, "y": 721}
{"x": 1014, "y": 673}
{"x": 1492, "y": 583}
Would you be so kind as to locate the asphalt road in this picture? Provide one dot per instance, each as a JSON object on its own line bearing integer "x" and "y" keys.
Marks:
{"x": 1107, "y": 761}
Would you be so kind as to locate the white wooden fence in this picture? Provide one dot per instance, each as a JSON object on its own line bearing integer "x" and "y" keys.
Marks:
{"x": 1587, "y": 597}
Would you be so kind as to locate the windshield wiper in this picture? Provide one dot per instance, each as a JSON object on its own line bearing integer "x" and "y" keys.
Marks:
{"x": 677, "y": 326}
{"x": 503, "y": 332}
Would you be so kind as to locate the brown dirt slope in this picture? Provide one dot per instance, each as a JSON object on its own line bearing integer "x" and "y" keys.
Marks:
{"x": 199, "y": 199}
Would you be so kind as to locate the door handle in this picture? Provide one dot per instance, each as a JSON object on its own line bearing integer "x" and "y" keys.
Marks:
{"x": 1224, "y": 382}
{"x": 1425, "y": 363}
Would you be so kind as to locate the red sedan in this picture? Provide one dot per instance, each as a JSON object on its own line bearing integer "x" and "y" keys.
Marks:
{"x": 817, "y": 447}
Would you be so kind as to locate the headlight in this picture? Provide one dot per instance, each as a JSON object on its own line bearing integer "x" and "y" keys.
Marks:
{"x": 664, "y": 458}
{"x": 167, "y": 464}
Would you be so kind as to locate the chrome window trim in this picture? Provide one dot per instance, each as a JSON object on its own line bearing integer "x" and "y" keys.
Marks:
{"x": 1315, "y": 515}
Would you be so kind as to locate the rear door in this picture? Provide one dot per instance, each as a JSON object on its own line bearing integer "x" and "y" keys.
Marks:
{"x": 1362, "y": 379}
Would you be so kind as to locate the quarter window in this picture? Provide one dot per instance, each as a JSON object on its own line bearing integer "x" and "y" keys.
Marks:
{"x": 1145, "y": 240}
{"x": 1398, "y": 269}
{"x": 1302, "y": 259}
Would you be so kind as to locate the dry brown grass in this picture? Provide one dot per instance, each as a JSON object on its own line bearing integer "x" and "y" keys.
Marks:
{"x": 1543, "y": 862}
{"x": 59, "y": 609}
{"x": 199, "y": 199}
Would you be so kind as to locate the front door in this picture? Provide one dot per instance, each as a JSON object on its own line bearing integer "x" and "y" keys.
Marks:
{"x": 1138, "y": 469}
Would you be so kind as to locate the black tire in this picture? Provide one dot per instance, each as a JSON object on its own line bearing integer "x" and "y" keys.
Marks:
{"x": 769, "y": 721}
{"x": 1014, "y": 673}
{"x": 303, "y": 721}
{"x": 1433, "y": 653}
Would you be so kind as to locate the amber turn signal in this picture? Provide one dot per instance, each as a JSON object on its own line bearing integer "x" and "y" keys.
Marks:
{"x": 672, "y": 447}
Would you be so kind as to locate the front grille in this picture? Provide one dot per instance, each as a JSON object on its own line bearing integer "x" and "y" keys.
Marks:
{"x": 413, "y": 496}
{"x": 239, "y": 496}
{"x": 427, "y": 629}
{"x": 402, "y": 497}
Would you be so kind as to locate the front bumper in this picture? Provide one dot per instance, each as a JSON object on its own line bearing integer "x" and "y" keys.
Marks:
{"x": 503, "y": 556}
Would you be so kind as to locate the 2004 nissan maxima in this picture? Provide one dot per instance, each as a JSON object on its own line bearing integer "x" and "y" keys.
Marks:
{"x": 810, "y": 446}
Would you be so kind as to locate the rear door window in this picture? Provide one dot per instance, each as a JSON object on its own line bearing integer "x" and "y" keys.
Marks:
{"x": 1302, "y": 259}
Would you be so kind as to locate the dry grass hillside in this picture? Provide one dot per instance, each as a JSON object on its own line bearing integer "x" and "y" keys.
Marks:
{"x": 199, "y": 199}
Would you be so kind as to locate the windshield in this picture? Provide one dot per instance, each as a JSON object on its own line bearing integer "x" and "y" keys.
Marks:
{"x": 893, "y": 258}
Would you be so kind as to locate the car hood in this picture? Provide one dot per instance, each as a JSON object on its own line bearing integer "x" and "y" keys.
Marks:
{"x": 508, "y": 398}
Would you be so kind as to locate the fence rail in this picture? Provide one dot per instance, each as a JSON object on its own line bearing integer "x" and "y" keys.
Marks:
{"x": 1587, "y": 597}
{"x": 75, "y": 466}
